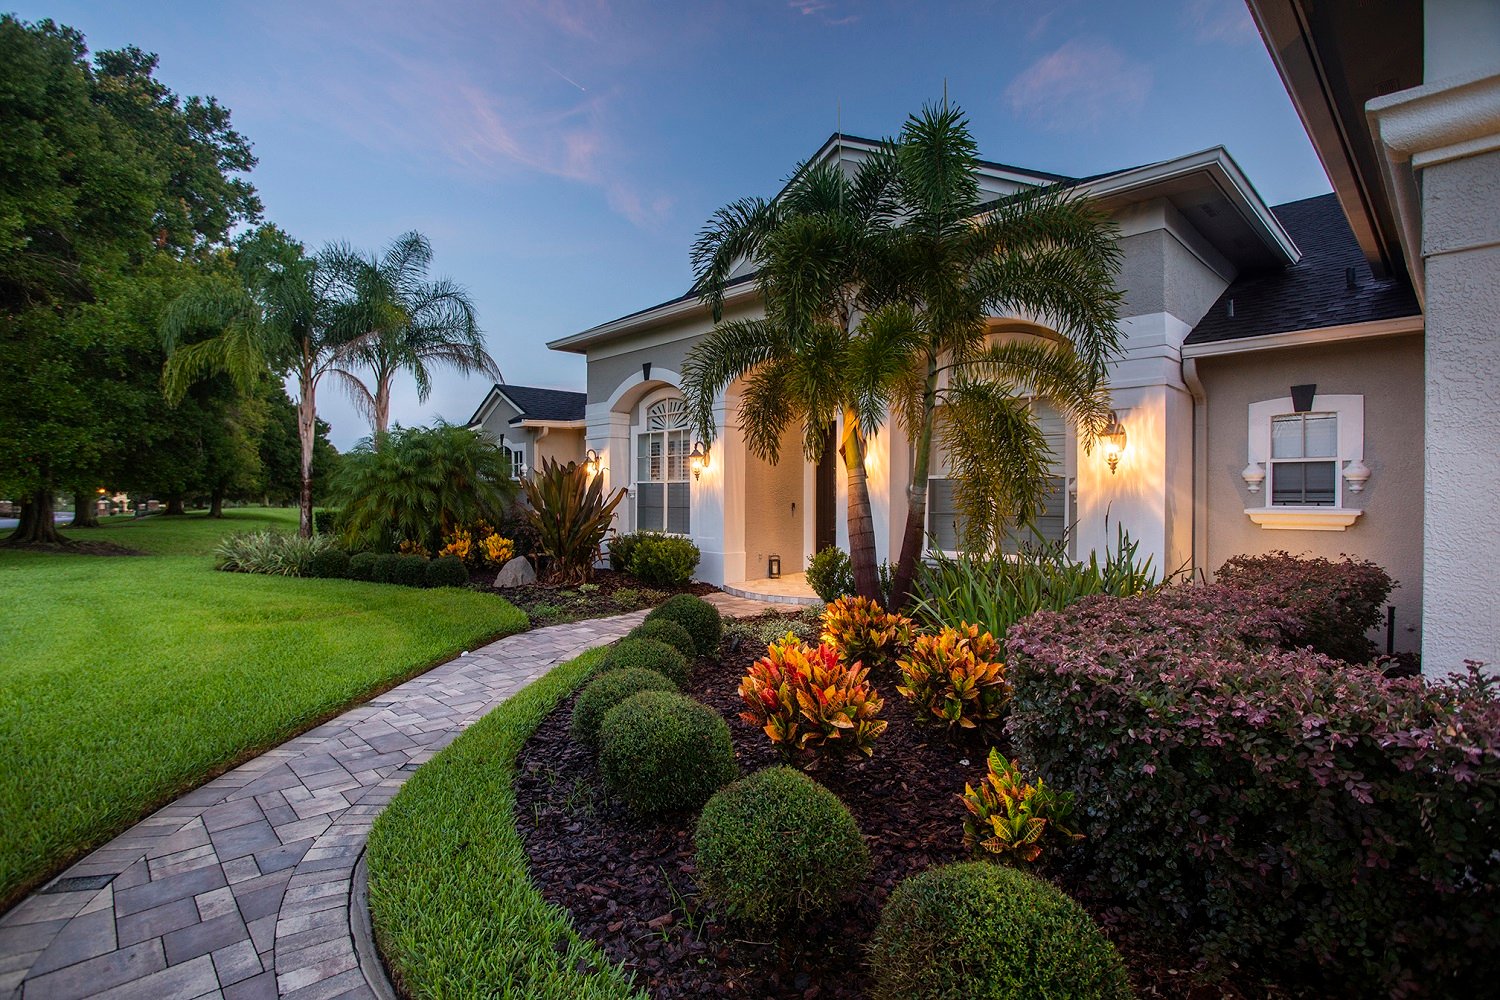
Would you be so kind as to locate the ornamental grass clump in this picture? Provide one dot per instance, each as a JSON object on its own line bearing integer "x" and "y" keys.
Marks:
{"x": 864, "y": 632}
{"x": 667, "y": 631}
{"x": 649, "y": 654}
{"x": 778, "y": 848}
{"x": 1009, "y": 817}
{"x": 606, "y": 691}
{"x": 956, "y": 677}
{"x": 809, "y": 701}
{"x": 701, "y": 619}
{"x": 662, "y": 752}
{"x": 273, "y": 553}
{"x": 981, "y": 931}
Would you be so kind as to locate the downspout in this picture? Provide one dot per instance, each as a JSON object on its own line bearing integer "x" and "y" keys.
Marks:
{"x": 1200, "y": 464}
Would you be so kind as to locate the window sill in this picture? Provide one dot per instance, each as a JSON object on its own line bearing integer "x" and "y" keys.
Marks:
{"x": 1303, "y": 518}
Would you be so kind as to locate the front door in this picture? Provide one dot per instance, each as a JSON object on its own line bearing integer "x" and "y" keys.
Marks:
{"x": 825, "y": 525}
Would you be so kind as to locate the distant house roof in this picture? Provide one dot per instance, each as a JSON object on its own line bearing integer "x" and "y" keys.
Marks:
{"x": 535, "y": 403}
{"x": 1331, "y": 285}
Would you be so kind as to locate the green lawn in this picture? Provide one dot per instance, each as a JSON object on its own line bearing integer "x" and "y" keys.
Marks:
{"x": 126, "y": 680}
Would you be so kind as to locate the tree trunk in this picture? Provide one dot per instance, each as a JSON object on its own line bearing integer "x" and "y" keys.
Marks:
{"x": 914, "y": 537}
{"x": 861, "y": 521}
{"x": 216, "y": 502}
{"x": 85, "y": 510}
{"x": 175, "y": 504}
{"x": 307, "y": 430}
{"x": 37, "y": 523}
{"x": 382, "y": 408}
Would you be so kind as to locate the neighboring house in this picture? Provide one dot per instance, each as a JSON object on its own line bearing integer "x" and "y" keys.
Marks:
{"x": 533, "y": 424}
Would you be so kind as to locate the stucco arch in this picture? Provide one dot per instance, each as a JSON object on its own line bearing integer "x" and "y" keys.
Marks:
{"x": 634, "y": 387}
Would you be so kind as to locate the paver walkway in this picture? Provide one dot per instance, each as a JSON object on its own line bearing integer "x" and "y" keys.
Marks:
{"x": 240, "y": 889}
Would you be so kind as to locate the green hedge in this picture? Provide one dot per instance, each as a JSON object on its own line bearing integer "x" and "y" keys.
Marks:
{"x": 453, "y": 905}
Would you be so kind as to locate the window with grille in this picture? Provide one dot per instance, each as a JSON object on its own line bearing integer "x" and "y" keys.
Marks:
{"x": 1304, "y": 460}
{"x": 663, "y": 494}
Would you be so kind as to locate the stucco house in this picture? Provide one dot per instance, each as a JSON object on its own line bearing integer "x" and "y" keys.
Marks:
{"x": 532, "y": 424}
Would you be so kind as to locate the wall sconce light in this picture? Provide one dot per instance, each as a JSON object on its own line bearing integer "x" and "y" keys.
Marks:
{"x": 591, "y": 463}
{"x": 773, "y": 567}
{"x": 698, "y": 460}
{"x": 1115, "y": 439}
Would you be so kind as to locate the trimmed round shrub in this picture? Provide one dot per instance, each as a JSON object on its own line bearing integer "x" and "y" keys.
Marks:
{"x": 662, "y": 752}
{"x": 778, "y": 847}
{"x": 446, "y": 571}
{"x": 331, "y": 564}
{"x": 981, "y": 930}
{"x": 385, "y": 567}
{"x": 411, "y": 570}
{"x": 362, "y": 566}
{"x": 664, "y": 560}
{"x": 700, "y": 618}
{"x": 648, "y": 654}
{"x": 667, "y": 631}
{"x": 604, "y": 693}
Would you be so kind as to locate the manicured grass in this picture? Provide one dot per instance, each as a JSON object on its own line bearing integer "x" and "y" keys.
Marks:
{"x": 453, "y": 906}
{"x": 128, "y": 680}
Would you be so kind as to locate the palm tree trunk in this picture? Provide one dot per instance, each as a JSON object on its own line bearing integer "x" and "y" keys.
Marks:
{"x": 85, "y": 510}
{"x": 914, "y": 537}
{"x": 307, "y": 430}
{"x": 861, "y": 521}
{"x": 382, "y": 407}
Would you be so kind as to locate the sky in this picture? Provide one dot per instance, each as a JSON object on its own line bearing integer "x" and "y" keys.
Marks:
{"x": 561, "y": 155}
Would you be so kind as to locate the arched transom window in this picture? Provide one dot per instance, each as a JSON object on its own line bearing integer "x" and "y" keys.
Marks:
{"x": 663, "y": 494}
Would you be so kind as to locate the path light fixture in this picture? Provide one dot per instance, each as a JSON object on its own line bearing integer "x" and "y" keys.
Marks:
{"x": 698, "y": 460}
{"x": 591, "y": 463}
{"x": 1115, "y": 439}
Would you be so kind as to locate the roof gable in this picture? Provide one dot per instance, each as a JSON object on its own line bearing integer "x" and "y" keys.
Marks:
{"x": 533, "y": 403}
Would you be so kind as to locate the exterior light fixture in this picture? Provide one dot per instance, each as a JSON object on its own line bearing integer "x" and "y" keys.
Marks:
{"x": 591, "y": 463}
{"x": 1115, "y": 439}
{"x": 698, "y": 460}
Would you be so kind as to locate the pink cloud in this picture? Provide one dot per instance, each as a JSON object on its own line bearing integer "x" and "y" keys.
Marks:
{"x": 1079, "y": 85}
{"x": 1221, "y": 21}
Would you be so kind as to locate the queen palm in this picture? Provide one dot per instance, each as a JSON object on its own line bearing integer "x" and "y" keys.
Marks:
{"x": 415, "y": 324}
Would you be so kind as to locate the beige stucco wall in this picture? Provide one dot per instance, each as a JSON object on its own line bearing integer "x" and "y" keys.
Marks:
{"x": 1159, "y": 274}
{"x": 1388, "y": 373}
{"x": 774, "y": 508}
{"x": 558, "y": 444}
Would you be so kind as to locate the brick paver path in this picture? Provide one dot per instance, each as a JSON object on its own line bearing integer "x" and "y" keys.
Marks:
{"x": 240, "y": 889}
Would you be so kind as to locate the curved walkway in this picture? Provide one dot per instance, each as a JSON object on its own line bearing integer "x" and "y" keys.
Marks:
{"x": 240, "y": 889}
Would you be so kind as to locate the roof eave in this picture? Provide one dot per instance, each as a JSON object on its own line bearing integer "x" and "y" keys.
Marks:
{"x": 1367, "y": 330}
{"x": 667, "y": 312}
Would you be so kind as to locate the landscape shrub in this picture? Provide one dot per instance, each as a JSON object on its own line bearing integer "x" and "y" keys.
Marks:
{"x": 570, "y": 515}
{"x": 1332, "y": 604}
{"x": 270, "y": 552}
{"x": 667, "y": 631}
{"x": 384, "y": 570}
{"x": 664, "y": 560}
{"x": 324, "y": 520}
{"x": 606, "y": 691}
{"x": 1271, "y": 807}
{"x": 982, "y": 931}
{"x": 830, "y": 574}
{"x": 332, "y": 564}
{"x": 862, "y": 631}
{"x": 649, "y": 654}
{"x": 755, "y": 634}
{"x": 700, "y": 618}
{"x": 777, "y": 847}
{"x": 446, "y": 571}
{"x": 806, "y": 698}
{"x": 956, "y": 677}
{"x": 662, "y": 752}
{"x": 362, "y": 566}
{"x": 621, "y": 548}
{"x": 411, "y": 570}
{"x": 1010, "y": 817}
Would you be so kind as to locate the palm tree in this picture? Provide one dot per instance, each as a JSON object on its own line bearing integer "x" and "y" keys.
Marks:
{"x": 812, "y": 358}
{"x": 282, "y": 315}
{"x": 415, "y": 324}
{"x": 953, "y": 263}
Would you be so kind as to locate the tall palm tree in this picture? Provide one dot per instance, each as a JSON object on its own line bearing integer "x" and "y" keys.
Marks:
{"x": 415, "y": 324}
{"x": 812, "y": 358}
{"x": 954, "y": 262}
{"x": 283, "y": 315}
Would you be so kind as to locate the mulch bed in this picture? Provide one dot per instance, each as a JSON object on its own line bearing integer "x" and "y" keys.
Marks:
{"x": 630, "y": 886}
{"x": 608, "y": 593}
{"x": 75, "y": 548}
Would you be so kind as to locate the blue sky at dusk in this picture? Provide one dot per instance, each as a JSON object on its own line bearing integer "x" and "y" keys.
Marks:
{"x": 562, "y": 155}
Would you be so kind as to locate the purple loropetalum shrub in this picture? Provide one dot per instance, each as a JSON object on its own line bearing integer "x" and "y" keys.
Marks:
{"x": 1273, "y": 807}
{"x": 1332, "y": 603}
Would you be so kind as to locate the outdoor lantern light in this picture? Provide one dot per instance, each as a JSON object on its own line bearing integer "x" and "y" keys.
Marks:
{"x": 698, "y": 459}
{"x": 1114, "y": 441}
{"x": 591, "y": 463}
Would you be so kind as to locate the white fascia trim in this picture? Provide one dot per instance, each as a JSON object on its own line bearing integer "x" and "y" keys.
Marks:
{"x": 1305, "y": 338}
{"x": 551, "y": 424}
{"x": 579, "y": 343}
{"x": 1225, "y": 173}
{"x": 1304, "y": 518}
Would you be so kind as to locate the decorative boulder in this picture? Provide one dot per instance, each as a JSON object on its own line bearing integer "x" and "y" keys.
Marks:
{"x": 516, "y": 573}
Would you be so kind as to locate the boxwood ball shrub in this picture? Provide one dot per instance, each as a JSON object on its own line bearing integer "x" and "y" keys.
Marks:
{"x": 776, "y": 847}
{"x": 446, "y": 571}
{"x": 384, "y": 570}
{"x": 606, "y": 691}
{"x": 663, "y": 752}
{"x": 983, "y": 931}
{"x": 667, "y": 631}
{"x": 700, "y": 618}
{"x": 332, "y": 564}
{"x": 664, "y": 560}
{"x": 411, "y": 570}
{"x": 649, "y": 654}
{"x": 362, "y": 566}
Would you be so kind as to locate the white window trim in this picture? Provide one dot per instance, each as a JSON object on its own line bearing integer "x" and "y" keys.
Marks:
{"x": 638, "y": 430}
{"x": 1350, "y": 410}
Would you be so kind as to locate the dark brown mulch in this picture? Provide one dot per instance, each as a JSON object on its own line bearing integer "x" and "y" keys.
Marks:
{"x": 75, "y": 547}
{"x": 608, "y": 593}
{"x": 630, "y": 886}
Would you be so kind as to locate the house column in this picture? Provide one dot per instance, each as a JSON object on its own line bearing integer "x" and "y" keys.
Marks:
{"x": 719, "y": 500}
{"x": 609, "y": 434}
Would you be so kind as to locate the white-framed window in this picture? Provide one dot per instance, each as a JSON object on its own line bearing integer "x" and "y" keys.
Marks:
{"x": 516, "y": 457}
{"x": 663, "y": 489}
{"x": 945, "y": 524}
{"x": 1304, "y": 466}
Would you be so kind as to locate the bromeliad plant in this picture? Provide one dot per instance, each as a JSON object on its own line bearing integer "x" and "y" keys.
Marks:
{"x": 1009, "y": 816}
{"x": 570, "y": 514}
{"x": 864, "y": 632}
{"x": 957, "y": 677}
{"x": 806, "y": 698}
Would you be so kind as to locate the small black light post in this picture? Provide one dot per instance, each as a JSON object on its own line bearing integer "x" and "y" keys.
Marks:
{"x": 773, "y": 568}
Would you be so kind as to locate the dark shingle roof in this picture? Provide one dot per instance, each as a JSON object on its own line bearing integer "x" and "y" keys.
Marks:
{"x": 1314, "y": 292}
{"x": 544, "y": 404}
